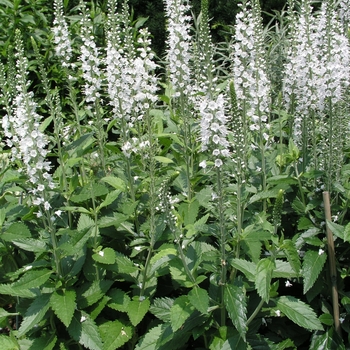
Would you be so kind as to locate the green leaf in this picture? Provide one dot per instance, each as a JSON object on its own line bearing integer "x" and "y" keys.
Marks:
{"x": 150, "y": 339}
{"x": 161, "y": 308}
{"x": 125, "y": 265}
{"x": 122, "y": 333}
{"x": 83, "y": 330}
{"x": 90, "y": 293}
{"x": 116, "y": 220}
{"x": 30, "y": 245}
{"x": 32, "y": 279}
{"x": 329, "y": 340}
{"x": 115, "y": 182}
{"x": 63, "y": 304}
{"x": 236, "y": 306}
{"x": 326, "y": 319}
{"x": 263, "y": 277}
{"x": 87, "y": 192}
{"x": 347, "y": 233}
{"x": 204, "y": 196}
{"x": 292, "y": 254}
{"x": 189, "y": 212}
{"x": 336, "y": 229}
{"x": 299, "y": 312}
{"x": 199, "y": 298}
{"x": 85, "y": 222}
{"x": 35, "y": 313}
{"x": 180, "y": 312}
{"x": 312, "y": 266}
{"x": 137, "y": 309}
{"x": 159, "y": 259}
{"x": 245, "y": 266}
{"x": 44, "y": 342}
{"x": 235, "y": 342}
{"x": 164, "y": 160}
{"x": 7, "y": 289}
{"x": 8, "y": 343}
{"x": 283, "y": 270}
{"x": 110, "y": 198}
{"x": 16, "y": 231}
{"x": 119, "y": 300}
{"x": 105, "y": 256}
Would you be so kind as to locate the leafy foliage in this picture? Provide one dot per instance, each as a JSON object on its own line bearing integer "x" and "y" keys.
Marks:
{"x": 151, "y": 205}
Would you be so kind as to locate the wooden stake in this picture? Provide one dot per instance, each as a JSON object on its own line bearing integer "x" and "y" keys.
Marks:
{"x": 332, "y": 263}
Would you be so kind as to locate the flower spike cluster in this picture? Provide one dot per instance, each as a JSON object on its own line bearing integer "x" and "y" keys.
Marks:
{"x": 213, "y": 128}
{"x": 62, "y": 41}
{"x": 90, "y": 60}
{"x": 22, "y": 130}
{"x": 179, "y": 46}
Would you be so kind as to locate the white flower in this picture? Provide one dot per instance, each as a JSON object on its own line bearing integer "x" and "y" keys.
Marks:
{"x": 288, "y": 284}
{"x": 320, "y": 251}
{"x": 203, "y": 164}
{"x": 101, "y": 253}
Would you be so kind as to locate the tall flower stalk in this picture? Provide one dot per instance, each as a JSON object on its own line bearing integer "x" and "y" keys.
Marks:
{"x": 179, "y": 63}
{"x": 28, "y": 146}
{"x": 252, "y": 85}
{"x": 92, "y": 75}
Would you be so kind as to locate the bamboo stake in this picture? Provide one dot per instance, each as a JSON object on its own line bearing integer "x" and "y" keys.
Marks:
{"x": 332, "y": 263}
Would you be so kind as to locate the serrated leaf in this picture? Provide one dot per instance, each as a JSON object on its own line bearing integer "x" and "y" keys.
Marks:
{"x": 119, "y": 300}
{"x": 115, "y": 182}
{"x": 44, "y": 343}
{"x": 161, "y": 308}
{"x": 92, "y": 292}
{"x": 164, "y": 160}
{"x": 125, "y": 265}
{"x": 110, "y": 198}
{"x": 283, "y": 270}
{"x": 162, "y": 257}
{"x": 180, "y": 312}
{"x": 30, "y": 245}
{"x": 35, "y": 313}
{"x": 63, "y": 304}
{"x": 199, "y": 298}
{"x": 32, "y": 279}
{"x": 236, "y": 306}
{"x": 245, "y": 266}
{"x": 337, "y": 230}
{"x": 7, "y": 289}
{"x": 105, "y": 256}
{"x": 116, "y": 220}
{"x": 137, "y": 310}
{"x": 263, "y": 277}
{"x": 292, "y": 254}
{"x": 86, "y": 193}
{"x": 122, "y": 333}
{"x": 329, "y": 340}
{"x": 83, "y": 330}
{"x": 150, "y": 339}
{"x": 299, "y": 312}
{"x": 7, "y": 343}
{"x": 16, "y": 231}
{"x": 312, "y": 266}
{"x": 85, "y": 222}
{"x": 235, "y": 342}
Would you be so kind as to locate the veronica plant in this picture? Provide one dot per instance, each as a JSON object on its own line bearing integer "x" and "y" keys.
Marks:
{"x": 252, "y": 85}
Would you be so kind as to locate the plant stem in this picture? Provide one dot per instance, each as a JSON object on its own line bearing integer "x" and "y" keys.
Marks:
{"x": 256, "y": 311}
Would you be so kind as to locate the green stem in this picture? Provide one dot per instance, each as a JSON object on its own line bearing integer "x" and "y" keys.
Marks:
{"x": 256, "y": 311}
{"x": 222, "y": 229}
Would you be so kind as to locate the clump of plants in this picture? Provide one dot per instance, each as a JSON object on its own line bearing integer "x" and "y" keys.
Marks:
{"x": 197, "y": 200}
